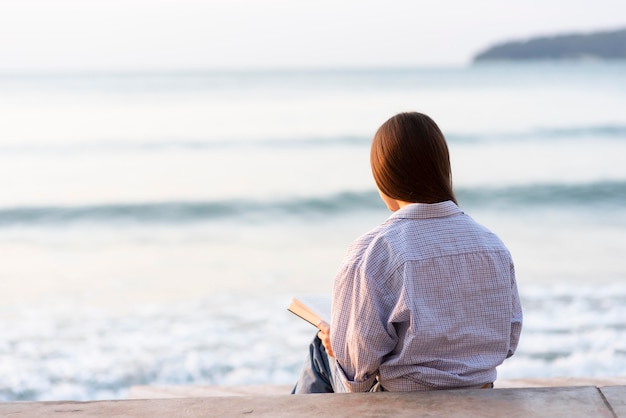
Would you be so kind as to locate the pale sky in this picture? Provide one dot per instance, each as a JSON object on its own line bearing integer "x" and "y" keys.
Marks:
{"x": 164, "y": 35}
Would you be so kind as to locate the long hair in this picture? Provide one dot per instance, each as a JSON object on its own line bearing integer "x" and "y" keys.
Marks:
{"x": 410, "y": 160}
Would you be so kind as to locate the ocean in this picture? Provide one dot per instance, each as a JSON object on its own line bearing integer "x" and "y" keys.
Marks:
{"x": 154, "y": 227}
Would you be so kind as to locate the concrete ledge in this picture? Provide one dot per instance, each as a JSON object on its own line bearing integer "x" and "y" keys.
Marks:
{"x": 616, "y": 398}
{"x": 578, "y": 401}
{"x": 181, "y": 391}
{"x": 562, "y": 381}
{"x": 175, "y": 391}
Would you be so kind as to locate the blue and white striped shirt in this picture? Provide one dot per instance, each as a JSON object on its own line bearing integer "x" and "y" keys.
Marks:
{"x": 427, "y": 300}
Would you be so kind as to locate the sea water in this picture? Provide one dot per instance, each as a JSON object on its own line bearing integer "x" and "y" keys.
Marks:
{"x": 153, "y": 227}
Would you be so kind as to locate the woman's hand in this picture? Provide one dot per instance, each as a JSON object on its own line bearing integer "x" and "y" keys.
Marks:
{"x": 324, "y": 335}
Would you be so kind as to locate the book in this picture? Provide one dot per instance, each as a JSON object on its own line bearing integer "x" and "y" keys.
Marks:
{"x": 313, "y": 309}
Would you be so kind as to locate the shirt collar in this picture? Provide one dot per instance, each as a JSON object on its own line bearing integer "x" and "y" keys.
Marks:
{"x": 427, "y": 210}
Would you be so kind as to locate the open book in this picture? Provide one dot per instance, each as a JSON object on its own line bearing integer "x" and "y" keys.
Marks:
{"x": 313, "y": 309}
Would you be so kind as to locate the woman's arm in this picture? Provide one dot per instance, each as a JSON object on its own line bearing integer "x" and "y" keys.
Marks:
{"x": 361, "y": 333}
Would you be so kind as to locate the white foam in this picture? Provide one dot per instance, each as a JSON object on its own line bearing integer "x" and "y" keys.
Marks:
{"x": 235, "y": 340}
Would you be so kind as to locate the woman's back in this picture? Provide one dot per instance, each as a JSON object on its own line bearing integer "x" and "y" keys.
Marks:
{"x": 440, "y": 290}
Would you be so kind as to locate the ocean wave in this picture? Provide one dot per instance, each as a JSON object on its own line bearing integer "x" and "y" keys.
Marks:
{"x": 608, "y": 131}
{"x": 85, "y": 354}
{"x": 605, "y": 194}
{"x": 179, "y": 212}
{"x": 611, "y": 132}
{"x": 146, "y": 146}
{"x": 617, "y": 131}
{"x": 596, "y": 194}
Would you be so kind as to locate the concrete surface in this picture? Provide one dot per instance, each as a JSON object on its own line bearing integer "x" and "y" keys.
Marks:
{"x": 561, "y": 381}
{"x": 616, "y": 397}
{"x": 573, "y": 401}
{"x": 175, "y": 391}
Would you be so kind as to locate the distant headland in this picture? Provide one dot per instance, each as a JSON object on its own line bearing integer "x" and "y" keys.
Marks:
{"x": 577, "y": 46}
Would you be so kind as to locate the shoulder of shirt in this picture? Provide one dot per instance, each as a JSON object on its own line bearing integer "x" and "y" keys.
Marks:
{"x": 385, "y": 238}
{"x": 366, "y": 239}
{"x": 378, "y": 239}
{"x": 397, "y": 218}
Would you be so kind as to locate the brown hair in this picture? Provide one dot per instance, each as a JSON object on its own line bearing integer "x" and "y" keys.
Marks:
{"x": 410, "y": 160}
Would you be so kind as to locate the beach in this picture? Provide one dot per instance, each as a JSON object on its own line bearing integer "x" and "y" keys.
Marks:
{"x": 154, "y": 227}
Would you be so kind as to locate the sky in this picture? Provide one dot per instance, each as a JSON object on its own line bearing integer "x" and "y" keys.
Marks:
{"x": 166, "y": 35}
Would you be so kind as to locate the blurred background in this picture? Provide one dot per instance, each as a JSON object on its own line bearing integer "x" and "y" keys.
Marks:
{"x": 172, "y": 173}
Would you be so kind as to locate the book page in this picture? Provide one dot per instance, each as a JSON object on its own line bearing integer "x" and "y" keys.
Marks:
{"x": 312, "y": 308}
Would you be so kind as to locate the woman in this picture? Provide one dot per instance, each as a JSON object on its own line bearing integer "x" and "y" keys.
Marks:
{"x": 427, "y": 300}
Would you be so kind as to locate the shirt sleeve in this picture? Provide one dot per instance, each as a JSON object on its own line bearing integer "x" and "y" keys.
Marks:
{"x": 516, "y": 315}
{"x": 361, "y": 335}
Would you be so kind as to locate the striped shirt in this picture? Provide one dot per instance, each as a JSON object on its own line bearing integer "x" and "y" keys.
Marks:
{"x": 427, "y": 300}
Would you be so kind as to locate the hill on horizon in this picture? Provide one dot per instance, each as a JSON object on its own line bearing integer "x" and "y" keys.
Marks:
{"x": 576, "y": 46}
